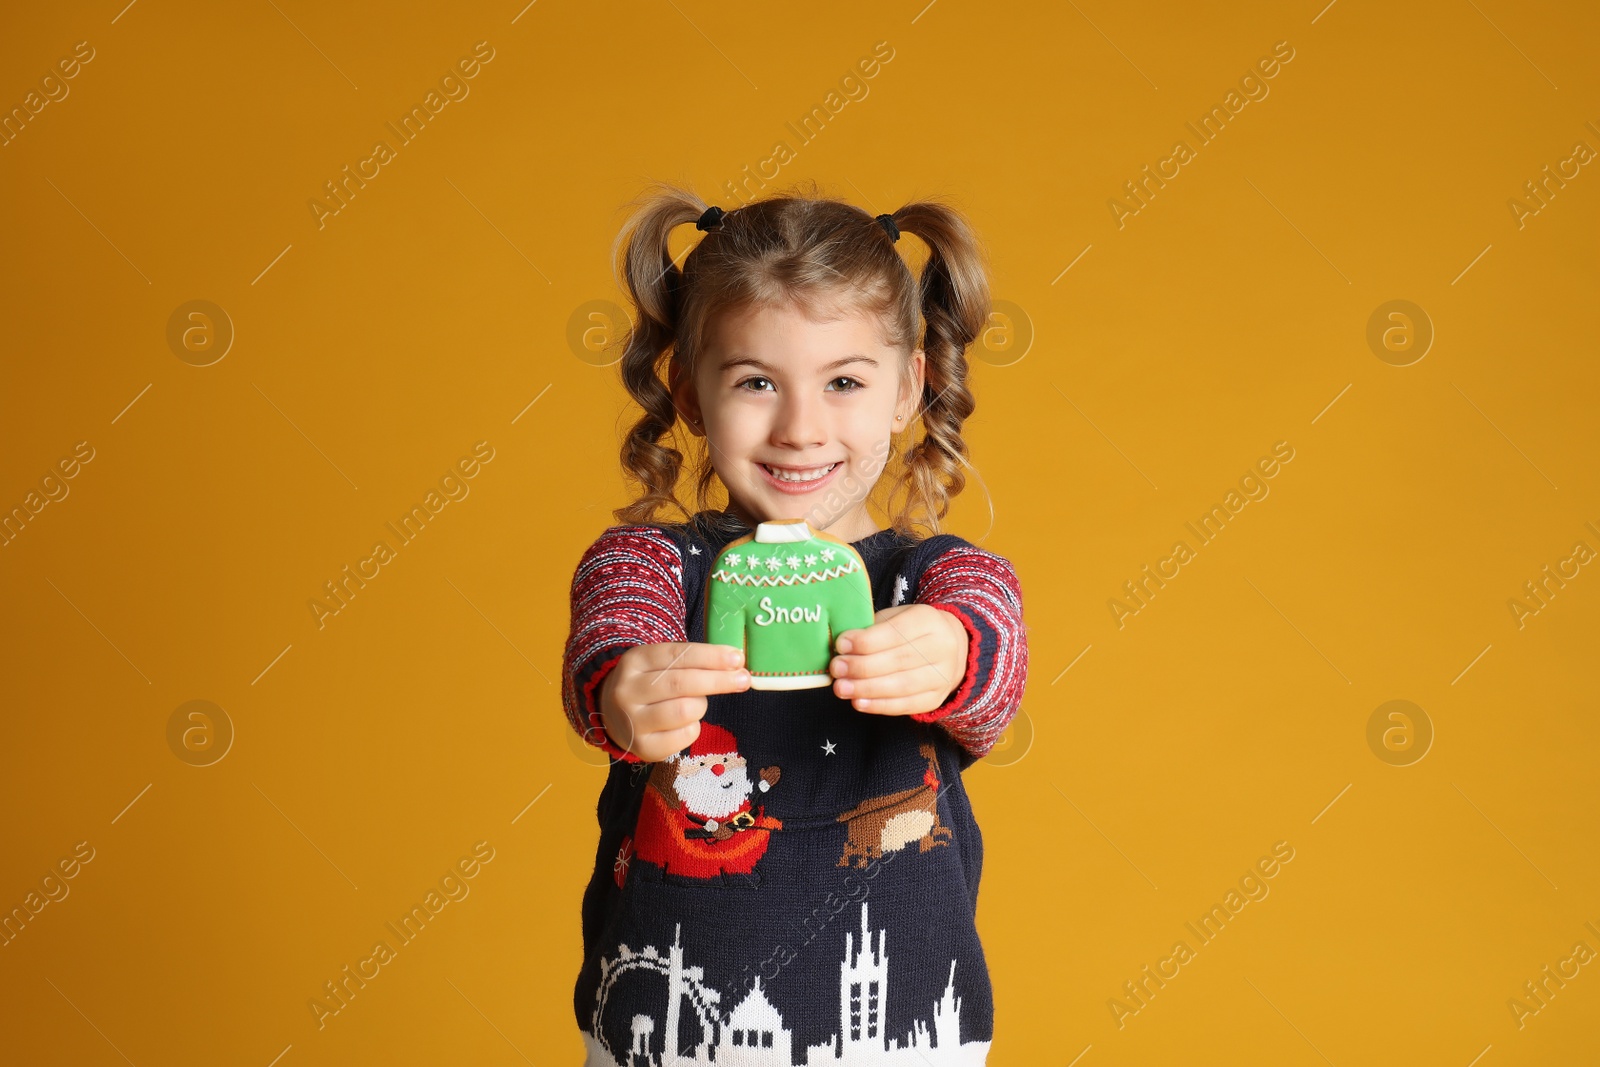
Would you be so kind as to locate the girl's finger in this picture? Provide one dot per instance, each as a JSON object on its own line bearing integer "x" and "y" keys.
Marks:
{"x": 668, "y": 685}
{"x": 664, "y": 685}
{"x": 670, "y": 715}
{"x": 672, "y": 655}
{"x": 676, "y": 740}
{"x": 894, "y": 626}
{"x": 875, "y": 664}
{"x": 874, "y": 638}
{"x": 906, "y": 705}
{"x": 925, "y": 679}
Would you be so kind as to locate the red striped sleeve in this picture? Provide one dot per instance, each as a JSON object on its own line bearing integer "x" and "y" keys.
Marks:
{"x": 627, "y": 591}
{"x": 980, "y": 589}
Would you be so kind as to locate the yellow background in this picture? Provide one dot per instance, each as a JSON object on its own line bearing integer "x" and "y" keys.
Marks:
{"x": 1137, "y": 787}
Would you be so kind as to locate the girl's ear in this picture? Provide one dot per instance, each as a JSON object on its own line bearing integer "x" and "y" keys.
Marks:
{"x": 683, "y": 397}
{"x": 907, "y": 405}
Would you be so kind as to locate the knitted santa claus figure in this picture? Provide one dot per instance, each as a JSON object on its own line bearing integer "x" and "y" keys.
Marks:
{"x": 696, "y": 819}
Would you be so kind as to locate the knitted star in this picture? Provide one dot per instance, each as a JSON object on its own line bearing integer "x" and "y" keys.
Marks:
{"x": 811, "y": 560}
{"x": 733, "y": 558}
{"x": 772, "y": 563}
{"x": 794, "y": 563}
{"x": 827, "y": 553}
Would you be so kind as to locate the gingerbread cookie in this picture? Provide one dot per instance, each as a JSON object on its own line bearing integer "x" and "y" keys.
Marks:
{"x": 783, "y": 594}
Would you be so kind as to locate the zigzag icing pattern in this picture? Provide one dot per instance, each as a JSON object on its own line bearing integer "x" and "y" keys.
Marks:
{"x": 737, "y": 578}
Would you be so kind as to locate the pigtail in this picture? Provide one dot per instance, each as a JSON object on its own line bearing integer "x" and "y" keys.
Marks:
{"x": 646, "y": 272}
{"x": 954, "y": 294}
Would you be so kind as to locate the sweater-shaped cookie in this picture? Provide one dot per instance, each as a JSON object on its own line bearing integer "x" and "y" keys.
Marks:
{"x": 783, "y": 594}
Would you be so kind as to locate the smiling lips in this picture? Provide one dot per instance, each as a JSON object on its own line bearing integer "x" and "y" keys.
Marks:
{"x": 799, "y": 479}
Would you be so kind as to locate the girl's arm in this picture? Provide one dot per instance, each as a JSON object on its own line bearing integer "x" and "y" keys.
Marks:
{"x": 627, "y": 591}
{"x": 980, "y": 589}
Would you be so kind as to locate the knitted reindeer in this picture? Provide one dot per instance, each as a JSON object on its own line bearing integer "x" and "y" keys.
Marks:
{"x": 892, "y": 821}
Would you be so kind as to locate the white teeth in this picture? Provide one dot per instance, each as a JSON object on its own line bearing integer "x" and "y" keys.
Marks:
{"x": 808, "y": 476}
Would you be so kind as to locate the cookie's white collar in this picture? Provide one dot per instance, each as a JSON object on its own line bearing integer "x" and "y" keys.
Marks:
{"x": 782, "y": 530}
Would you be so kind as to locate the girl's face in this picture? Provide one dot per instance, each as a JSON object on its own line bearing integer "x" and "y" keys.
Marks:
{"x": 799, "y": 413}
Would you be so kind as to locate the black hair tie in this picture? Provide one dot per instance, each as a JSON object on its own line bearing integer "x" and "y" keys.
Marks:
{"x": 889, "y": 227}
{"x": 712, "y": 217}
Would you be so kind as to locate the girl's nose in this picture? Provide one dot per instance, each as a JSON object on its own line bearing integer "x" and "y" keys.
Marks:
{"x": 718, "y": 768}
{"x": 799, "y": 424}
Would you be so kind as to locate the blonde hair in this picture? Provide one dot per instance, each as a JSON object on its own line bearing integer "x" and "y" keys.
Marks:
{"x": 799, "y": 250}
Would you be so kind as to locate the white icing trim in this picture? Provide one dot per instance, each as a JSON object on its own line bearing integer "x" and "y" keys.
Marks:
{"x": 790, "y": 681}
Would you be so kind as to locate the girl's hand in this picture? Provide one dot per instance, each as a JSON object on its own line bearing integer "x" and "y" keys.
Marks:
{"x": 909, "y": 660}
{"x": 652, "y": 701}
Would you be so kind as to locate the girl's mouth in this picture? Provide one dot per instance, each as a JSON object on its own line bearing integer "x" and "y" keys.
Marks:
{"x": 799, "y": 479}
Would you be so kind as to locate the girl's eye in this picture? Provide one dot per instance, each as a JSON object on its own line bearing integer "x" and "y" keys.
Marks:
{"x": 851, "y": 384}
{"x": 758, "y": 378}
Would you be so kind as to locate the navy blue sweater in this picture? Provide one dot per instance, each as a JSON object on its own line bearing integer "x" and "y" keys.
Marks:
{"x": 800, "y": 885}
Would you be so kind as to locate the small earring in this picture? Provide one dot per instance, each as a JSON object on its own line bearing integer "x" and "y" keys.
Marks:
{"x": 897, "y": 418}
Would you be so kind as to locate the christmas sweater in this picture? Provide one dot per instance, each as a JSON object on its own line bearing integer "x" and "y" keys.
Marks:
{"x": 782, "y": 594}
{"x": 800, "y": 885}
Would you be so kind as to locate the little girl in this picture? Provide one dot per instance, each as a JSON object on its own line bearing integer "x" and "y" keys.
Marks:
{"x": 791, "y": 876}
